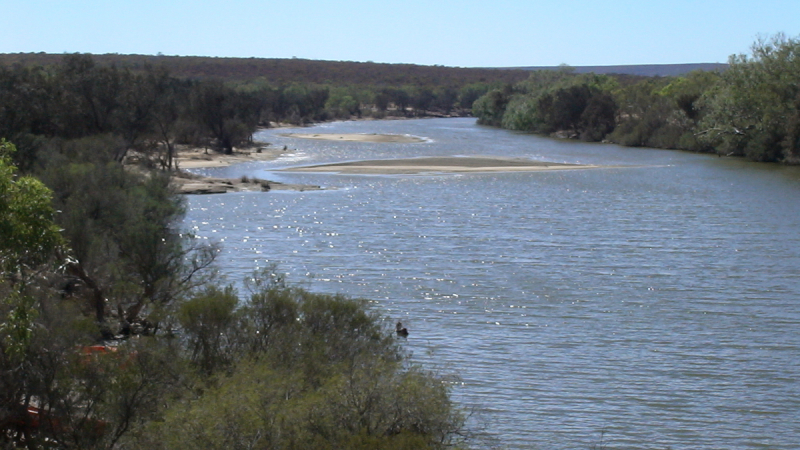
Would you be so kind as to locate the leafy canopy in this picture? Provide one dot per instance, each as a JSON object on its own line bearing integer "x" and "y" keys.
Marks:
{"x": 28, "y": 234}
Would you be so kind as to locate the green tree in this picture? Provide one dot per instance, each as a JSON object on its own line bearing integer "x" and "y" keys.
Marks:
{"x": 230, "y": 117}
{"x": 28, "y": 239}
{"x": 421, "y": 100}
{"x": 341, "y": 104}
{"x": 327, "y": 372}
{"x": 28, "y": 235}
{"x": 207, "y": 320}
{"x": 171, "y": 104}
{"x": 90, "y": 96}
{"x": 469, "y": 93}
{"x": 754, "y": 110}
{"x": 126, "y": 252}
{"x": 490, "y": 108}
{"x": 645, "y": 115}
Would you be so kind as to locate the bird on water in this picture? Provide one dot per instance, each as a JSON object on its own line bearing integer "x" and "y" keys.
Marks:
{"x": 401, "y": 331}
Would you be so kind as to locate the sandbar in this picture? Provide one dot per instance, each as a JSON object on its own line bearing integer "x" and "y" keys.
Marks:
{"x": 379, "y": 138}
{"x": 447, "y": 164}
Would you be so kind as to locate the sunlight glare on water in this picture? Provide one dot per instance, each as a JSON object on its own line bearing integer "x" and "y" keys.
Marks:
{"x": 656, "y": 303}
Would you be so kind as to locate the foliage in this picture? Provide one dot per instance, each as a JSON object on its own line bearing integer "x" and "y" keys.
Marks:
{"x": 282, "y": 72}
{"x": 207, "y": 320}
{"x": 28, "y": 235}
{"x": 148, "y": 111}
{"x": 55, "y": 388}
{"x": 63, "y": 393}
{"x": 28, "y": 238}
{"x": 286, "y": 368}
{"x": 342, "y": 104}
{"x": 229, "y": 116}
{"x": 304, "y": 370}
{"x": 752, "y": 109}
{"x": 127, "y": 331}
{"x": 368, "y": 406}
{"x": 126, "y": 254}
{"x": 550, "y": 102}
{"x": 491, "y": 107}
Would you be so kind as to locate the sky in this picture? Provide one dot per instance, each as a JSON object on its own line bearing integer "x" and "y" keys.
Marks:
{"x": 467, "y": 33}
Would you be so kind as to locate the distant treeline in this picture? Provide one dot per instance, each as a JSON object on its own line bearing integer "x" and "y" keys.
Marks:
{"x": 148, "y": 109}
{"x": 644, "y": 70}
{"x": 287, "y": 71}
{"x": 752, "y": 109}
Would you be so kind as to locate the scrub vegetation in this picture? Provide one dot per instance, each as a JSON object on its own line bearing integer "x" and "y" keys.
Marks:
{"x": 752, "y": 109}
{"x": 115, "y": 330}
{"x": 115, "y": 334}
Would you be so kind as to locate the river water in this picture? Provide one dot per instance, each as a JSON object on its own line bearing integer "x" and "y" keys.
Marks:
{"x": 653, "y": 305}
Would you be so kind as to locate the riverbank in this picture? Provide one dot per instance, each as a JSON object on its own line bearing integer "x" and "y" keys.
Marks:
{"x": 197, "y": 158}
{"x": 192, "y": 158}
{"x": 193, "y": 184}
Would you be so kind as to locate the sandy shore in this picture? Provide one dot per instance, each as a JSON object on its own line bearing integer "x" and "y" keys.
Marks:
{"x": 188, "y": 183}
{"x": 193, "y": 158}
{"x": 379, "y": 138}
{"x": 440, "y": 165}
{"x": 198, "y": 158}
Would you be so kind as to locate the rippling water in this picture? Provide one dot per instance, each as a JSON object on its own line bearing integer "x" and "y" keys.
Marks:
{"x": 656, "y": 304}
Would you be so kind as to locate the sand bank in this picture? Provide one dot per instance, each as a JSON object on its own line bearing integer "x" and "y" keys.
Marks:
{"x": 379, "y": 138}
{"x": 194, "y": 158}
{"x": 439, "y": 164}
{"x": 193, "y": 184}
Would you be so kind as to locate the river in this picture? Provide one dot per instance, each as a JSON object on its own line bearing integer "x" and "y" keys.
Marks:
{"x": 655, "y": 304}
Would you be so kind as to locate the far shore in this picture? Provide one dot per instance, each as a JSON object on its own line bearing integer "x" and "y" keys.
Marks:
{"x": 452, "y": 164}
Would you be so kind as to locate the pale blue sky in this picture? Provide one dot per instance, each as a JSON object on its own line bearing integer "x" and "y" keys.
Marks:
{"x": 465, "y": 33}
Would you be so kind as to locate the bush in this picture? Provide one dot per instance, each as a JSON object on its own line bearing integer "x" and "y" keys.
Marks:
{"x": 314, "y": 371}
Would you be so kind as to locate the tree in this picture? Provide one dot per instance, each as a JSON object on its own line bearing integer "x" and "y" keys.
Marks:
{"x": 490, "y": 108}
{"x": 382, "y": 99}
{"x": 598, "y": 119}
{"x": 754, "y": 110}
{"x": 421, "y": 100}
{"x": 208, "y": 320}
{"x": 127, "y": 256}
{"x": 644, "y": 115}
{"x": 171, "y": 103}
{"x": 445, "y": 98}
{"x": 90, "y": 96}
{"x": 401, "y": 99}
{"x": 342, "y": 104}
{"x": 563, "y": 108}
{"x": 230, "y": 117}
{"x": 28, "y": 238}
{"x": 327, "y": 372}
{"x": 28, "y": 235}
